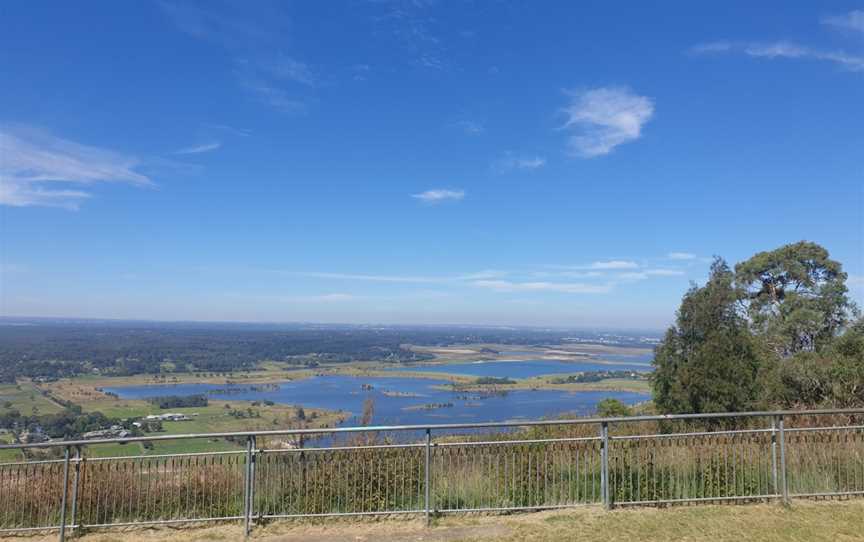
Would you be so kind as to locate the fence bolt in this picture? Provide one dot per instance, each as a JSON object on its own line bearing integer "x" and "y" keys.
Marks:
{"x": 428, "y": 499}
{"x": 65, "y": 491}
{"x": 784, "y": 486}
{"x": 604, "y": 465}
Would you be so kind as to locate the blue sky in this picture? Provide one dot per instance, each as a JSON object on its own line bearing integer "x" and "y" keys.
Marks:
{"x": 571, "y": 164}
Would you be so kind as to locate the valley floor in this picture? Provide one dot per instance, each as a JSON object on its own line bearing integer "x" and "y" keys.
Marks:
{"x": 833, "y": 521}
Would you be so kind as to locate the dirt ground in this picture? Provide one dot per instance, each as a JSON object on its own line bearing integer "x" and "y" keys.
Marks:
{"x": 831, "y": 521}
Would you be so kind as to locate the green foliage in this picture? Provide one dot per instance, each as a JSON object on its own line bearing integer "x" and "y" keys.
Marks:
{"x": 795, "y": 297}
{"x": 708, "y": 361}
{"x": 767, "y": 335}
{"x": 179, "y": 401}
{"x": 613, "y": 408}
{"x": 65, "y": 424}
{"x": 493, "y": 380}
{"x": 832, "y": 377}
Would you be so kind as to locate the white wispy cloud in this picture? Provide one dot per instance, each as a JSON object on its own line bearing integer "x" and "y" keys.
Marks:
{"x": 486, "y": 274}
{"x": 648, "y": 273}
{"x": 512, "y": 162}
{"x": 232, "y": 26}
{"x": 470, "y": 127}
{"x": 569, "y": 274}
{"x": 288, "y": 68}
{"x": 560, "y": 287}
{"x": 414, "y": 27}
{"x": 614, "y": 264}
{"x": 681, "y": 256}
{"x": 411, "y": 279}
{"x": 711, "y": 47}
{"x": 439, "y": 195}
{"x": 274, "y": 96}
{"x": 38, "y": 168}
{"x": 782, "y": 49}
{"x": 361, "y": 71}
{"x": 854, "y": 20}
{"x": 225, "y": 129}
{"x": 323, "y": 298}
{"x": 599, "y": 267}
{"x": 604, "y": 118}
{"x": 202, "y": 148}
{"x": 253, "y": 35}
{"x": 599, "y": 277}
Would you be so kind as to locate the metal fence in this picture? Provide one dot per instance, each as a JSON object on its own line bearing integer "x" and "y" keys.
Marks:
{"x": 429, "y": 470}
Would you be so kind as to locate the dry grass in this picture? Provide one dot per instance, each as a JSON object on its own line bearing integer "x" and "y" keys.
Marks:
{"x": 804, "y": 521}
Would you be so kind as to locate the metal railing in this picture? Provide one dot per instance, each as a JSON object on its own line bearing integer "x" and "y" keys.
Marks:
{"x": 437, "y": 469}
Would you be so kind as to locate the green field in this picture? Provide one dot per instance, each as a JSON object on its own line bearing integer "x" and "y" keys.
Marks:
{"x": 25, "y": 397}
{"x": 8, "y": 455}
{"x": 216, "y": 417}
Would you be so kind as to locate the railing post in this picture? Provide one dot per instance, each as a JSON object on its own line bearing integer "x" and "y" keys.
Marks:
{"x": 301, "y": 461}
{"x": 75, "y": 485}
{"x": 255, "y": 453}
{"x": 427, "y": 477}
{"x": 774, "y": 483}
{"x": 784, "y": 486}
{"x": 604, "y": 465}
{"x": 249, "y": 488}
{"x": 65, "y": 491}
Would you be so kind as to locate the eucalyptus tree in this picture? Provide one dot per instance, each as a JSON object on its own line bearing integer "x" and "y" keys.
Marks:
{"x": 795, "y": 297}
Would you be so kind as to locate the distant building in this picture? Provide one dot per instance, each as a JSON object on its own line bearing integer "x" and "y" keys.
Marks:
{"x": 33, "y": 437}
{"x": 114, "y": 432}
{"x": 168, "y": 417}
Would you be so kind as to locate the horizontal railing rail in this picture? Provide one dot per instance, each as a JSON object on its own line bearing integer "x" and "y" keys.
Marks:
{"x": 444, "y": 426}
{"x": 434, "y": 469}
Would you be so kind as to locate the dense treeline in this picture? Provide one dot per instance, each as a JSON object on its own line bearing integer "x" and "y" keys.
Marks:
{"x": 57, "y": 349}
{"x": 777, "y": 331}
{"x": 179, "y": 401}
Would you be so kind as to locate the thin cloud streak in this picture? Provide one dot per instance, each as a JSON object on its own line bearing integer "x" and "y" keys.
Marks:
{"x": 371, "y": 278}
{"x": 511, "y": 162}
{"x": 199, "y": 149}
{"x": 470, "y": 127}
{"x": 34, "y": 162}
{"x": 854, "y": 20}
{"x": 291, "y": 69}
{"x": 439, "y": 195}
{"x": 601, "y": 265}
{"x": 681, "y": 256}
{"x": 559, "y": 287}
{"x": 253, "y": 35}
{"x": 614, "y": 264}
{"x": 642, "y": 275}
{"x": 782, "y": 49}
